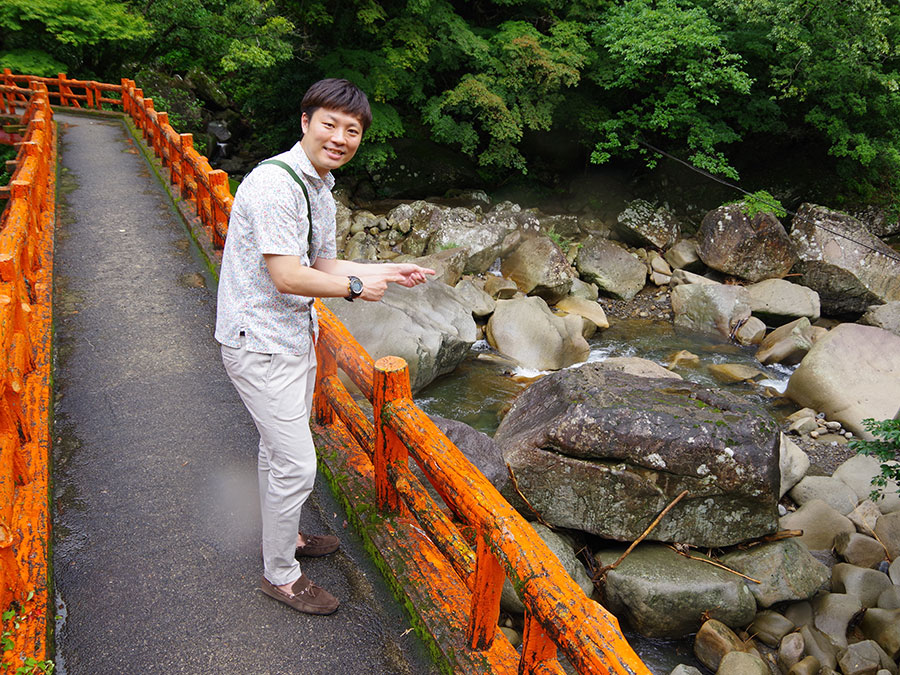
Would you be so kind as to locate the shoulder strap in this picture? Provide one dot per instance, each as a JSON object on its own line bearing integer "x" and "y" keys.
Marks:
{"x": 293, "y": 174}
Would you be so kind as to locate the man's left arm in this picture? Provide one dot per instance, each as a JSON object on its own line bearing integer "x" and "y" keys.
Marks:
{"x": 410, "y": 274}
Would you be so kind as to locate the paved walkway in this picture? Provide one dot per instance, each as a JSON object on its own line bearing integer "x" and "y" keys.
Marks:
{"x": 156, "y": 550}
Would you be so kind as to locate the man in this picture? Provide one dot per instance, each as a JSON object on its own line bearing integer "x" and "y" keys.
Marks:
{"x": 274, "y": 263}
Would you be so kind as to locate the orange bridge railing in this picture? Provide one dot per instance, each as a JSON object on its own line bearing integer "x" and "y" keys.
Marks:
{"x": 26, "y": 268}
{"x": 457, "y": 584}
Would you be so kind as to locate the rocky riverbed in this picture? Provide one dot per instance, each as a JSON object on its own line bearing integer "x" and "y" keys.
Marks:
{"x": 773, "y": 559}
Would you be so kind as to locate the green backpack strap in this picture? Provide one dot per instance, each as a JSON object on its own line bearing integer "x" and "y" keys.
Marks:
{"x": 293, "y": 174}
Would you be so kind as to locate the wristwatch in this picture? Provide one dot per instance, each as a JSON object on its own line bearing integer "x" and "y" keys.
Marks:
{"x": 354, "y": 288}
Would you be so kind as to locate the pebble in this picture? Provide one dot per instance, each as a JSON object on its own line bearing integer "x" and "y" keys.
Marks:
{"x": 790, "y": 651}
{"x": 808, "y": 666}
{"x": 834, "y": 426}
{"x": 713, "y": 641}
{"x": 883, "y": 626}
{"x": 742, "y": 663}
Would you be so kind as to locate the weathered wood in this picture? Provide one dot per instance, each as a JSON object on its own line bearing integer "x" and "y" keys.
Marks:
{"x": 485, "y": 610}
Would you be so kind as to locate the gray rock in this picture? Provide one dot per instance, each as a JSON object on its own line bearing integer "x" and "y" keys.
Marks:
{"x": 361, "y": 247}
{"x": 770, "y": 627}
{"x": 461, "y": 227}
{"x": 478, "y": 448}
{"x": 589, "y": 310}
{"x": 799, "y": 613}
{"x": 885, "y": 316}
{"x": 807, "y": 666}
{"x": 682, "y": 277}
{"x": 850, "y": 373}
{"x": 779, "y": 301}
{"x": 788, "y": 344}
{"x": 894, "y": 571}
{"x": 645, "y": 224}
{"x": 859, "y": 549}
{"x": 475, "y": 298}
{"x": 858, "y": 472}
{"x": 430, "y": 328}
{"x": 499, "y": 288}
{"x": 833, "y": 613}
{"x": 793, "y": 462}
{"x": 614, "y": 270}
{"x": 830, "y": 490}
{"x": 710, "y": 308}
{"x": 889, "y": 598}
{"x": 750, "y": 332}
{"x": 790, "y": 651}
{"x": 754, "y": 248}
{"x": 605, "y": 452}
{"x": 887, "y": 530}
{"x": 866, "y": 514}
{"x": 820, "y": 524}
{"x": 511, "y": 634}
{"x": 863, "y": 583}
{"x": 860, "y": 659}
{"x": 847, "y": 276}
{"x": 785, "y": 570}
{"x": 820, "y": 645}
{"x": 423, "y": 218}
{"x": 682, "y": 669}
{"x": 742, "y": 663}
{"x": 584, "y": 290}
{"x": 713, "y": 641}
{"x": 683, "y": 255}
{"x": 526, "y": 330}
{"x": 538, "y": 267}
{"x": 448, "y": 264}
{"x": 883, "y": 626}
{"x": 664, "y": 594}
{"x": 563, "y": 550}
{"x": 634, "y": 365}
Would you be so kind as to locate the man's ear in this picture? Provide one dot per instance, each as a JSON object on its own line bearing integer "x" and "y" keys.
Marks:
{"x": 304, "y": 122}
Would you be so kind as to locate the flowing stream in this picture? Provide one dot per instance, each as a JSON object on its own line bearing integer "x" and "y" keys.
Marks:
{"x": 480, "y": 390}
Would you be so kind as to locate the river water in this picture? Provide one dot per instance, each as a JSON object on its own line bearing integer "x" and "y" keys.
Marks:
{"x": 480, "y": 390}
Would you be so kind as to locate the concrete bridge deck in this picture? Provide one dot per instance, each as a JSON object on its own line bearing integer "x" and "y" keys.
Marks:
{"x": 156, "y": 551}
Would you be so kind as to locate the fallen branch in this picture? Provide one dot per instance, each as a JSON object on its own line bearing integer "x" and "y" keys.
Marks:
{"x": 600, "y": 575}
{"x": 714, "y": 564}
{"x": 515, "y": 484}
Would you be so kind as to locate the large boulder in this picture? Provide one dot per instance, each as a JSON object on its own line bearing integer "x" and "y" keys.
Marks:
{"x": 539, "y": 267}
{"x": 710, "y": 308}
{"x": 614, "y": 270}
{"x": 788, "y": 344}
{"x": 664, "y": 594}
{"x": 605, "y": 452}
{"x": 752, "y": 248}
{"x": 778, "y": 301}
{"x": 643, "y": 224}
{"x": 419, "y": 219}
{"x": 850, "y": 373}
{"x": 885, "y": 316}
{"x": 428, "y": 326}
{"x": 847, "y": 266}
{"x": 461, "y": 227}
{"x": 526, "y": 330}
{"x": 478, "y": 448}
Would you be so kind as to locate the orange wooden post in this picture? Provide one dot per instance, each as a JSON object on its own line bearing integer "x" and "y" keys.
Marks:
{"x": 537, "y": 647}
{"x": 162, "y": 119}
{"x": 63, "y": 101}
{"x": 391, "y": 382}
{"x": 326, "y": 367}
{"x": 218, "y": 183}
{"x": 148, "y": 123}
{"x": 489, "y": 577}
{"x": 187, "y": 171}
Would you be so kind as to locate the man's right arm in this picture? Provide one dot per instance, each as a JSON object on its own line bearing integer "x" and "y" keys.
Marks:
{"x": 290, "y": 276}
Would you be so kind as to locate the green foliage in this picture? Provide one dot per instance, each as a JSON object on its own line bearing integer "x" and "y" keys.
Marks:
{"x": 12, "y": 620}
{"x": 762, "y": 202}
{"x": 564, "y": 243}
{"x": 88, "y": 32}
{"x": 886, "y": 448}
{"x": 7, "y": 152}
{"x": 32, "y": 62}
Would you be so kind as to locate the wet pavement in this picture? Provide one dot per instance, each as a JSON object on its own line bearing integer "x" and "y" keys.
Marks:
{"x": 156, "y": 550}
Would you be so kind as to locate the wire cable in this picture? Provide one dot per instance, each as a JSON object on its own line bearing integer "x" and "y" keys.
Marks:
{"x": 775, "y": 207}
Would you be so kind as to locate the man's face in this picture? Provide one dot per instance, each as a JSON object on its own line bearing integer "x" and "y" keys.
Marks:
{"x": 330, "y": 138}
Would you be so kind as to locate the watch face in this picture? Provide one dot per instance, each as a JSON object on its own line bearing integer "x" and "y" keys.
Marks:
{"x": 356, "y": 286}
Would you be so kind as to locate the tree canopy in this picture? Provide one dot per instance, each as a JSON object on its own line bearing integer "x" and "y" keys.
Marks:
{"x": 700, "y": 78}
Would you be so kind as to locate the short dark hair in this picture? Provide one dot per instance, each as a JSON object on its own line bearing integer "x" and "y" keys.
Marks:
{"x": 338, "y": 94}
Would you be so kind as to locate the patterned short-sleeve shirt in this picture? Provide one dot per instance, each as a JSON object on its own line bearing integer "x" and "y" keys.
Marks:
{"x": 269, "y": 217}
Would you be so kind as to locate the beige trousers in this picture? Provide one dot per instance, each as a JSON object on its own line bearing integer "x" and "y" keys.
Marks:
{"x": 277, "y": 390}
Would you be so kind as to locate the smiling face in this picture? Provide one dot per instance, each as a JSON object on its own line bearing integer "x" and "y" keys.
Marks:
{"x": 330, "y": 138}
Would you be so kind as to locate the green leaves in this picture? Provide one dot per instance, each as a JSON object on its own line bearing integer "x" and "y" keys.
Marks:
{"x": 886, "y": 448}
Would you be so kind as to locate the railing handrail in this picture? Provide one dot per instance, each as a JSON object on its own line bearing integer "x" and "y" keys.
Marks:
{"x": 557, "y": 611}
{"x": 26, "y": 245}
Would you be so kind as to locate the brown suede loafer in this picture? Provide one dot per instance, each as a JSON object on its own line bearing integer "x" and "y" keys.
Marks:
{"x": 305, "y": 596}
{"x": 317, "y": 545}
